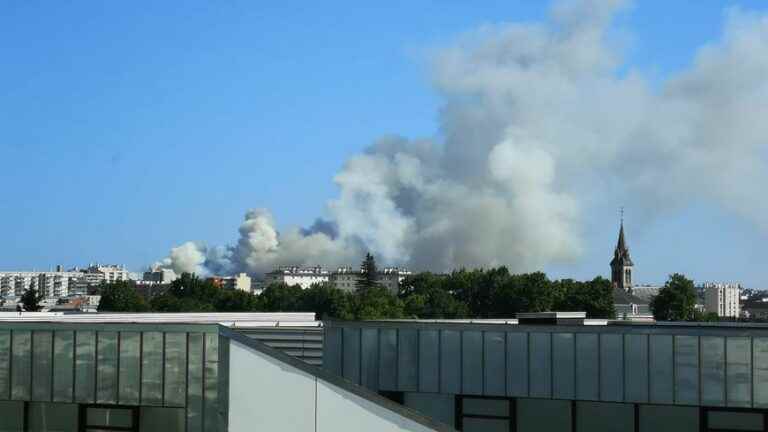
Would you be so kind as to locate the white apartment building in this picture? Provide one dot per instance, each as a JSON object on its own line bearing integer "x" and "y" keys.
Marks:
{"x": 304, "y": 277}
{"x": 159, "y": 275}
{"x": 112, "y": 273}
{"x": 50, "y": 284}
{"x": 722, "y": 298}
{"x": 344, "y": 278}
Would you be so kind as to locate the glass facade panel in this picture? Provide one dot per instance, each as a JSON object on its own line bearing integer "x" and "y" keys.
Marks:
{"x": 161, "y": 419}
{"x": 485, "y": 407}
{"x": 175, "y": 369}
{"x": 739, "y": 371}
{"x": 440, "y": 407}
{"x": 42, "y": 365}
{"x": 611, "y": 367}
{"x": 472, "y": 362}
{"x": 540, "y": 384}
{"x": 429, "y": 356}
{"x": 21, "y": 365}
{"x": 152, "y": 368}
{"x": 563, "y": 368}
{"x": 351, "y": 354}
{"x": 130, "y": 366}
{"x": 713, "y": 371}
{"x": 604, "y": 417}
{"x": 735, "y": 421}
{"x": 661, "y": 368}
{"x": 63, "y": 366}
{"x": 636, "y": 363}
{"x": 687, "y": 370}
{"x": 517, "y": 364}
{"x": 116, "y": 417}
{"x": 485, "y": 425}
{"x": 11, "y": 416}
{"x": 535, "y": 415}
{"x": 52, "y": 417}
{"x": 450, "y": 361}
{"x": 494, "y": 364}
{"x": 106, "y": 367}
{"x": 85, "y": 366}
{"x": 388, "y": 359}
{"x": 211, "y": 383}
{"x": 587, "y": 367}
{"x": 665, "y": 418}
{"x": 5, "y": 363}
{"x": 195, "y": 385}
{"x": 760, "y": 378}
{"x": 369, "y": 360}
{"x": 407, "y": 360}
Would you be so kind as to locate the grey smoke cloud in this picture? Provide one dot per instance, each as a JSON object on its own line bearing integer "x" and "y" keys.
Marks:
{"x": 539, "y": 122}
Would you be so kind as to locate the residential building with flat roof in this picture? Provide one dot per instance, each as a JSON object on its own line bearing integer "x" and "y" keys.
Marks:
{"x": 722, "y": 299}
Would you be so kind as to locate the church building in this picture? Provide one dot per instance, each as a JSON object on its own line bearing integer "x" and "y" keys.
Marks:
{"x": 626, "y": 303}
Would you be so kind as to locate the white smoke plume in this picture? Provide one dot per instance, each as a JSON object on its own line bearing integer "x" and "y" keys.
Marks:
{"x": 540, "y": 121}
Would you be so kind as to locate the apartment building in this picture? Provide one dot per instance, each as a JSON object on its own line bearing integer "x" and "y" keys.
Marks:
{"x": 722, "y": 298}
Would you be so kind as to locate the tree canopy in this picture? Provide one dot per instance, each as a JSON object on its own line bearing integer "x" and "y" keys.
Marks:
{"x": 676, "y": 301}
{"x": 31, "y": 300}
{"x": 369, "y": 273}
{"x": 121, "y": 296}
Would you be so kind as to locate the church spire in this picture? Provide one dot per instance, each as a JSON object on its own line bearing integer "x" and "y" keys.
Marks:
{"x": 621, "y": 264}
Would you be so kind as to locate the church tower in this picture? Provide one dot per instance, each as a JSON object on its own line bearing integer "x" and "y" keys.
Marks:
{"x": 621, "y": 264}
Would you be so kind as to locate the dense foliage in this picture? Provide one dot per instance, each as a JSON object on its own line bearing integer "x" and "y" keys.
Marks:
{"x": 492, "y": 293}
{"x": 31, "y": 300}
{"x": 676, "y": 301}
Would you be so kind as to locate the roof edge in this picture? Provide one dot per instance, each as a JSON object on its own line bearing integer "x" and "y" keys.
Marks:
{"x": 336, "y": 380}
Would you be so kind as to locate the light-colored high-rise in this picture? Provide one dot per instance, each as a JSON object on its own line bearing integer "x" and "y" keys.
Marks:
{"x": 722, "y": 298}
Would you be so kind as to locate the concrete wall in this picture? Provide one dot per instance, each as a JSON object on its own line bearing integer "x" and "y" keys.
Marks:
{"x": 267, "y": 394}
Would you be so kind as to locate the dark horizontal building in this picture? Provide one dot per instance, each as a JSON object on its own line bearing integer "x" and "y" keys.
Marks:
{"x": 562, "y": 375}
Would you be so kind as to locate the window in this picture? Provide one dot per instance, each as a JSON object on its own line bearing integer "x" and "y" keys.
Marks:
{"x": 534, "y": 415}
{"x": 665, "y": 418}
{"x": 101, "y": 418}
{"x": 724, "y": 420}
{"x": 483, "y": 414}
{"x": 59, "y": 417}
{"x": 604, "y": 417}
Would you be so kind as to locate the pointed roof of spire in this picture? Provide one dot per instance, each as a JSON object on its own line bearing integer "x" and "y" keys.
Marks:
{"x": 621, "y": 254}
{"x": 621, "y": 245}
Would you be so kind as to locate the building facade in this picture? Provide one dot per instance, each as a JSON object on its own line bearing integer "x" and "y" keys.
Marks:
{"x": 175, "y": 377}
{"x": 550, "y": 377}
{"x": 49, "y": 284}
{"x": 344, "y": 278}
{"x": 304, "y": 277}
{"x": 722, "y": 299}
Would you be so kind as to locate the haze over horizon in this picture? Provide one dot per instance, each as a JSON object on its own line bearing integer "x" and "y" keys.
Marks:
{"x": 507, "y": 133}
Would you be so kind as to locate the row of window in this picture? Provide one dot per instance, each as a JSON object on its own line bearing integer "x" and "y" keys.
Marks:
{"x": 17, "y": 416}
{"x": 489, "y": 414}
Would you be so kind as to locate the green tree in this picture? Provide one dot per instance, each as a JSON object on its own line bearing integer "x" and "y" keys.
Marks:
{"x": 369, "y": 274}
{"x": 327, "y": 302}
{"x": 427, "y": 295}
{"x": 594, "y": 297}
{"x": 676, "y": 301}
{"x": 237, "y": 301}
{"x": 121, "y": 296}
{"x": 170, "y": 303}
{"x": 530, "y": 292}
{"x": 31, "y": 300}
{"x": 377, "y": 303}
{"x": 280, "y": 297}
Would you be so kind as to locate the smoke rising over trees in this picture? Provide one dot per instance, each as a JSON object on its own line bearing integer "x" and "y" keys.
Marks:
{"x": 539, "y": 122}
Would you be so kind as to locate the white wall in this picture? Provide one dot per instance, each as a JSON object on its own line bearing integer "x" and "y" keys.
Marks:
{"x": 266, "y": 394}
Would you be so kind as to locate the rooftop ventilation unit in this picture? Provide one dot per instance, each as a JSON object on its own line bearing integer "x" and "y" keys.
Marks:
{"x": 557, "y": 318}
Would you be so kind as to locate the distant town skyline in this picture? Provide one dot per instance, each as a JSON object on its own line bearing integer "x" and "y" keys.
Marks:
{"x": 133, "y": 129}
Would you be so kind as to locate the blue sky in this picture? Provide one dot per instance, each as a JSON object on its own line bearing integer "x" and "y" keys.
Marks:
{"x": 128, "y": 128}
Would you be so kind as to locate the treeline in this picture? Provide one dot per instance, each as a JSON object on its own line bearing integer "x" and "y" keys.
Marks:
{"x": 491, "y": 293}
